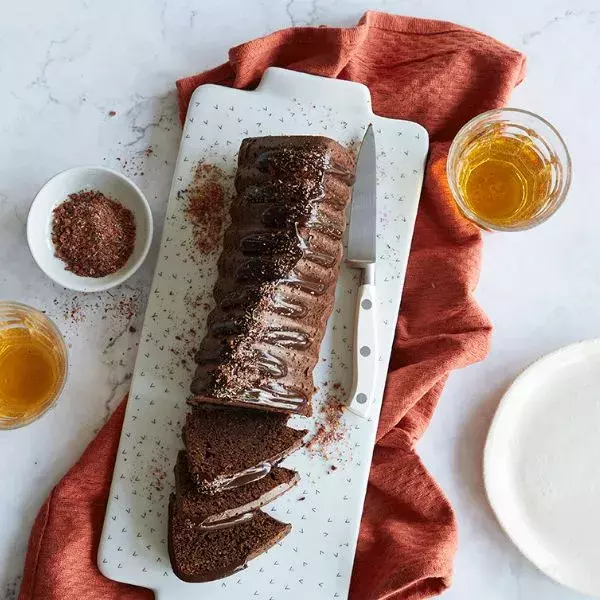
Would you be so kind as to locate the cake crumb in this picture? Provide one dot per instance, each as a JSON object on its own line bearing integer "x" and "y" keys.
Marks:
{"x": 329, "y": 431}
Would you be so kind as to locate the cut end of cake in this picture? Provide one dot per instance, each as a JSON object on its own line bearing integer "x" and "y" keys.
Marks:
{"x": 198, "y": 556}
{"x": 232, "y": 447}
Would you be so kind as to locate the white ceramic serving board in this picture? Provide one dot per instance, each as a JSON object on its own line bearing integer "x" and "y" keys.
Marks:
{"x": 542, "y": 465}
{"x": 315, "y": 559}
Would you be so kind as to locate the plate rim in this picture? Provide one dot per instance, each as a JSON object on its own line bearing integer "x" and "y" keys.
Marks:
{"x": 494, "y": 441}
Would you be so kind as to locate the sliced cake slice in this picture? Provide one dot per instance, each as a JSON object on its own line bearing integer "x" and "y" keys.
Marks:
{"x": 232, "y": 447}
{"x": 200, "y": 555}
{"x": 209, "y": 511}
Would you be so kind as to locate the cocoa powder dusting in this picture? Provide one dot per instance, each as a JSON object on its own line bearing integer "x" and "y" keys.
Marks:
{"x": 329, "y": 431}
{"x": 205, "y": 207}
{"x": 185, "y": 342}
{"x": 94, "y": 235}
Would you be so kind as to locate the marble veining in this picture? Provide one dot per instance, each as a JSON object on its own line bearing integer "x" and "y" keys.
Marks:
{"x": 65, "y": 65}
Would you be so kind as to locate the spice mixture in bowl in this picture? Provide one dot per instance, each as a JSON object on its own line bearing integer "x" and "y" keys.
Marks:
{"x": 89, "y": 228}
{"x": 93, "y": 235}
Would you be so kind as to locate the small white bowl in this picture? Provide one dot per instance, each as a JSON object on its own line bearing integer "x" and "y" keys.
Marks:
{"x": 56, "y": 191}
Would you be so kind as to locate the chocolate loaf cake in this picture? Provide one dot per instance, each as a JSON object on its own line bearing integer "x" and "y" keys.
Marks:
{"x": 229, "y": 447}
{"x": 277, "y": 274}
{"x": 198, "y": 555}
{"x": 209, "y": 511}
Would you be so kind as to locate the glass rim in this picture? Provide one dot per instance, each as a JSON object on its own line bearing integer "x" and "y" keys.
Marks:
{"x": 7, "y": 426}
{"x": 483, "y": 223}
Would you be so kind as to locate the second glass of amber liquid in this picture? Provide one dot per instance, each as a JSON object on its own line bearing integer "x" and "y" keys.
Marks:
{"x": 508, "y": 170}
{"x": 33, "y": 364}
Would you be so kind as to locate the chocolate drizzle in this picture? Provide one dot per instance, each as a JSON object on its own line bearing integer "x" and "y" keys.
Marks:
{"x": 277, "y": 274}
{"x": 243, "y": 477}
{"x": 223, "y": 523}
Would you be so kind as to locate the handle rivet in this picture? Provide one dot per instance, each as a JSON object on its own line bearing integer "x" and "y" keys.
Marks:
{"x": 365, "y": 351}
{"x": 361, "y": 398}
{"x": 366, "y": 304}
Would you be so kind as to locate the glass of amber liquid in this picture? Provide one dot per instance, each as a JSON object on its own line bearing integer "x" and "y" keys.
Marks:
{"x": 508, "y": 170}
{"x": 33, "y": 364}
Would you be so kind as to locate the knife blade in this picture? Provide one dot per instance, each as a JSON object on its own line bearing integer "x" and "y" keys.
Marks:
{"x": 362, "y": 249}
{"x": 363, "y": 210}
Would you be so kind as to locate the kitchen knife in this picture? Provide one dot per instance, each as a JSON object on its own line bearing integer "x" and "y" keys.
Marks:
{"x": 362, "y": 255}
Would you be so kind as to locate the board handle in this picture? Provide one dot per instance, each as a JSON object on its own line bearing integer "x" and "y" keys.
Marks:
{"x": 305, "y": 88}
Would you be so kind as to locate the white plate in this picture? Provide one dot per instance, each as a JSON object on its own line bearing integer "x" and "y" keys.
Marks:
{"x": 542, "y": 465}
{"x": 315, "y": 559}
{"x": 112, "y": 184}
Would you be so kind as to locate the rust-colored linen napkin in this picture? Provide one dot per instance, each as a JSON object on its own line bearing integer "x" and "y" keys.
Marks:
{"x": 440, "y": 75}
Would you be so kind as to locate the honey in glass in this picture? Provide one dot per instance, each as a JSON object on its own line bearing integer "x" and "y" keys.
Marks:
{"x": 508, "y": 170}
{"x": 33, "y": 364}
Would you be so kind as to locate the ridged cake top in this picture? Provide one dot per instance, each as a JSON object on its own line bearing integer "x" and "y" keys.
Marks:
{"x": 277, "y": 272}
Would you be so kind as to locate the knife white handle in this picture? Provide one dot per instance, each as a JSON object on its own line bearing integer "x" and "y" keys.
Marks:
{"x": 365, "y": 351}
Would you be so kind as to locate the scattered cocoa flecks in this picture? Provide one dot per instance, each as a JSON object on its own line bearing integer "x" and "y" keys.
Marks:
{"x": 112, "y": 113}
{"x": 115, "y": 308}
{"x": 126, "y": 307}
{"x": 204, "y": 206}
{"x": 158, "y": 476}
{"x": 302, "y": 498}
{"x": 185, "y": 341}
{"x": 73, "y": 311}
{"x": 329, "y": 430}
{"x": 333, "y": 468}
{"x": 136, "y": 164}
{"x": 337, "y": 385}
{"x": 354, "y": 146}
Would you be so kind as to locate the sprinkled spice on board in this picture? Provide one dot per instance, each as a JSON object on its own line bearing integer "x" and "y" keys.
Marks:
{"x": 329, "y": 431}
{"x": 94, "y": 235}
{"x": 205, "y": 206}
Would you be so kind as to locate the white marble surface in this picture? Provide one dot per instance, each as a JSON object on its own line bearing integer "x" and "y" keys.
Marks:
{"x": 65, "y": 64}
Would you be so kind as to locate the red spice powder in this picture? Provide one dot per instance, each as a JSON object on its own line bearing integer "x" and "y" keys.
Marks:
{"x": 93, "y": 234}
{"x": 205, "y": 206}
